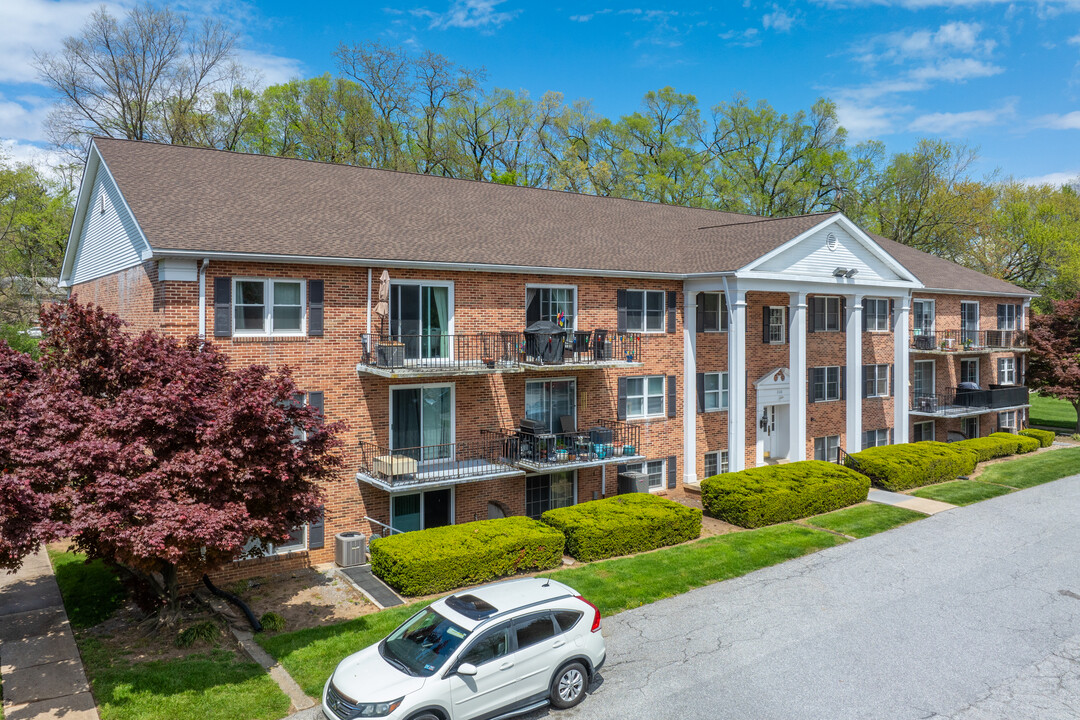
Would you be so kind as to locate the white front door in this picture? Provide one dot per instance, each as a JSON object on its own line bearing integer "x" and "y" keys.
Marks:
{"x": 768, "y": 419}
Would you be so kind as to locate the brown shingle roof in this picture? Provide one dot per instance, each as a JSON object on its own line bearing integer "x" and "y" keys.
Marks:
{"x": 940, "y": 274}
{"x": 205, "y": 200}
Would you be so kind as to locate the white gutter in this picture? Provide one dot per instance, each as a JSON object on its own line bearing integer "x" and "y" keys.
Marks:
{"x": 202, "y": 297}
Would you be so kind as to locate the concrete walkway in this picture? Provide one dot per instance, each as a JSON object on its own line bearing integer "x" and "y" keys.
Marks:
{"x": 924, "y": 505}
{"x": 42, "y": 671}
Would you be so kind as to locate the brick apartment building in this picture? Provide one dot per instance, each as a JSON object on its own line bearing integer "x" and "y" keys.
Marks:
{"x": 679, "y": 342}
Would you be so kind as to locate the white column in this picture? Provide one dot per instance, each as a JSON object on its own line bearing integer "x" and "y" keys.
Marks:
{"x": 737, "y": 381}
{"x": 689, "y": 387}
{"x": 853, "y": 388}
{"x": 797, "y": 371}
{"x": 901, "y": 371}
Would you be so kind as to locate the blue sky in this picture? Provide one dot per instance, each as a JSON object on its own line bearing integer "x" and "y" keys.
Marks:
{"x": 1004, "y": 76}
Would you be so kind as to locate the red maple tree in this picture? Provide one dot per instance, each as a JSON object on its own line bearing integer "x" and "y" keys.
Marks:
{"x": 1054, "y": 364}
{"x": 150, "y": 452}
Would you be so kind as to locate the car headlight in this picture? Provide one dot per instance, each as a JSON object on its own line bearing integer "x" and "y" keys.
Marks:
{"x": 377, "y": 709}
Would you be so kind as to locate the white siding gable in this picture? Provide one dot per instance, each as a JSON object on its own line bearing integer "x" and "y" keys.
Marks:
{"x": 812, "y": 257}
{"x": 109, "y": 238}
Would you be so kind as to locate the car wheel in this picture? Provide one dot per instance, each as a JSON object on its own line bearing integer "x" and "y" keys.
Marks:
{"x": 426, "y": 716}
{"x": 568, "y": 687}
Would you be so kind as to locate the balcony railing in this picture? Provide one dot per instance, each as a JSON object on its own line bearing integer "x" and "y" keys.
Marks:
{"x": 609, "y": 441}
{"x": 494, "y": 352}
{"x": 959, "y": 403}
{"x": 969, "y": 340}
{"x": 446, "y": 464}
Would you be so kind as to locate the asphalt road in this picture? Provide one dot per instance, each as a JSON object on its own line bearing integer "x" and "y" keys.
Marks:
{"x": 971, "y": 614}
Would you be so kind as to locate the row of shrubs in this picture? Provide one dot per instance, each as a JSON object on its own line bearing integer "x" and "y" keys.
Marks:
{"x": 779, "y": 493}
{"x": 901, "y": 467}
{"x": 441, "y": 559}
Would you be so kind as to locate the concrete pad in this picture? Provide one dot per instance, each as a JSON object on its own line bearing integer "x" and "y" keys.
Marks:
{"x": 33, "y": 624}
{"x": 73, "y": 707}
{"x": 925, "y": 505}
{"x": 30, "y": 594}
{"x": 39, "y": 650}
{"x": 886, "y": 497}
{"x": 45, "y": 682}
{"x": 32, "y": 569}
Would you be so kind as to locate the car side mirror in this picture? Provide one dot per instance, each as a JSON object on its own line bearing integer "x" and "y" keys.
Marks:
{"x": 466, "y": 669}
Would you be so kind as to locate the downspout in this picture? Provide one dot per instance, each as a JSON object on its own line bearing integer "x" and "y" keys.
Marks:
{"x": 202, "y": 298}
{"x": 367, "y": 336}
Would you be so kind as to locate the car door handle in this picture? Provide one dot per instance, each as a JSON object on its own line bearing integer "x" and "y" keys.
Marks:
{"x": 506, "y": 665}
{"x": 558, "y": 643}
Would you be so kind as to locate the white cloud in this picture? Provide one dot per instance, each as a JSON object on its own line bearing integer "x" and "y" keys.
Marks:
{"x": 1068, "y": 121}
{"x": 586, "y": 17}
{"x": 946, "y": 41}
{"x": 952, "y": 123}
{"x": 23, "y": 117}
{"x": 273, "y": 69}
{"x": 868, "y": 121}
{"x": 1055, "y": 178}
{"x": 921, "y": 4}
{"x": 1074, "y": 40}
{"x": 956, "y": 70}
{"x": 44, "y": 159}
{"x": 468, "y": 14}
{"x": 39, "y": 25}
{"x": 778, "y": 20}
{"x": 750, "y": 37}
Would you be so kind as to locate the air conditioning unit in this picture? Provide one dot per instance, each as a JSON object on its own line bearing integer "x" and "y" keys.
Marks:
{"x": 633, "y": 482}
{"x": 350, "y": 548}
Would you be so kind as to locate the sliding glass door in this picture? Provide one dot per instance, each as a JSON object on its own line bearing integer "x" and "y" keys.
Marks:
{"x": 422, "y": 421}
{"x": 422, "y": 510}
{"x": 548, "y": 401}
{"x": 420, "y": 318}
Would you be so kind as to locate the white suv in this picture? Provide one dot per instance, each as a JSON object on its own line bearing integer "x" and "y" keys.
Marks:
{"x": 492, "y": 652}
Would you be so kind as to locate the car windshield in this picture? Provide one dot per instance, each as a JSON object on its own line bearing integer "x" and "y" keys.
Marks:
{"x": 422, "y": 645}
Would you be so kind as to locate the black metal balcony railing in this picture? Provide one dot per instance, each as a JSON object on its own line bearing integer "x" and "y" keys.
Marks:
{"x": 447, "y": 462}
{"x": 506, "y": 350}
{"x": 609, "y": 441}
{"x": 969, "y": 340}
{"x": 956, "y": 401}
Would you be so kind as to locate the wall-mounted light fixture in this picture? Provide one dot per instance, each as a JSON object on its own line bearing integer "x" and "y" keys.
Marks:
{"x": 839, "y": 272}
{"x": 851, "y": 273}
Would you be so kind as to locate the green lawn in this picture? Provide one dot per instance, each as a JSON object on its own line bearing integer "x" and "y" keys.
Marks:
{"x": 866, "y": 520}
{"x": 91, "y": 591}
{"x": 1035, "y": 470}
{"x": 961, "y": 492}
{"x": 1051, "y": 412}
{"x": 214, "y": 686}
{"x": 613, "y": 585}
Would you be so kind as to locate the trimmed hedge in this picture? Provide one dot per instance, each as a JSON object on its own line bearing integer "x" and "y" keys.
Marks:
{"x": 899, "y": 467}
{"x": 445, "y": 558}
{"x": 1045, "y": 437}
{"x": 778, "y": 493}
{"x": 994, "y": 446}
{"x": 623, "y": 525}
{"x": 1024, "y": 444}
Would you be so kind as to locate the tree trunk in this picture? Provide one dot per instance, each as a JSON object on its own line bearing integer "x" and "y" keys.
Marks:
{"x": 171, "y": 586}
{"x": 1076, "y": 407}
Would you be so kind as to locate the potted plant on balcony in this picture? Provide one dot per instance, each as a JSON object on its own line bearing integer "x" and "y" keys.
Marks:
{"x": 561, "y": 453}
{"x": 628, "y": 450}
{"x": 968, "y": 342}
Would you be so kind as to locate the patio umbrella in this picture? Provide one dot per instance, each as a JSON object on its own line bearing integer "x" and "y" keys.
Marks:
{"x": 382, "y": 308}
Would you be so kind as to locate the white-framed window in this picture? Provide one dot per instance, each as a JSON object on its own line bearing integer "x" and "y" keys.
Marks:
{"x": 826, "y": 383}
{"x": 777, "y": 325}
{"x": 716, "y": 463}
{"x": 422, "y": 318}
{"x": 922, "y": 431}
{"x": 714, "y": 312}
{"x": 875, "y": 381}
{"x": 969, "y": 370}
{"x": 1007, "y": 421}
{"x": 554, "y": 303}
{"x": 716, "y": 391}
{"x": 826, "y": 313}
{"x": 970, "y": 426}
{"x": 922, "y": 378}
{"x": 653, "y": 468}
{"x": 547, "y": 492}
{"x": 875, "y": 438}
{"x": 876, "y": 314}
{"x": 422, "y": 421}
{"x": 269, "y": 306}
{"x": 547, "y": 401}
{"x": 645, "y": 396}
{"x": 923, "y": 317}
{"x": 298, "y": 540}
{"x": 645, "y": 310}
{"x": 969, "y": 322}
{"x": 825, "y": 448}
{"x": 1006, "y": 317}
{"x": 1006, "y": 371}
